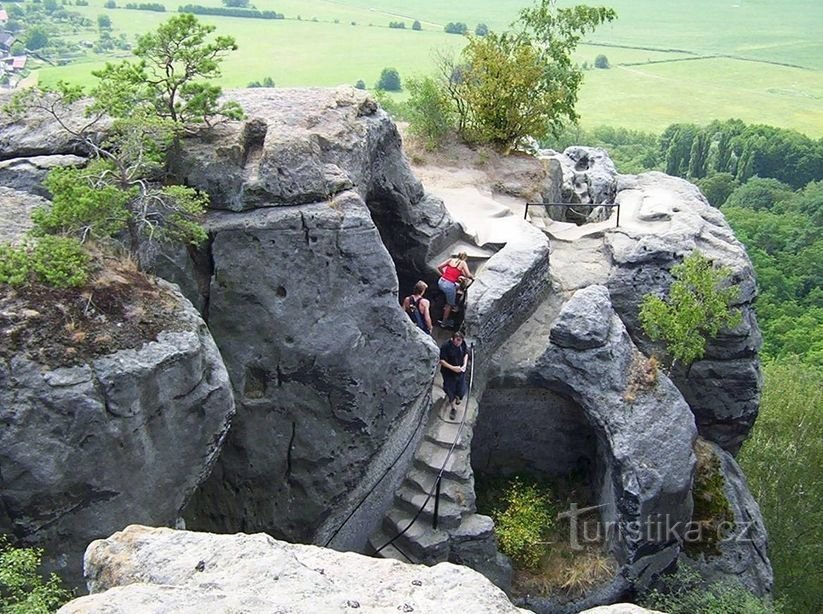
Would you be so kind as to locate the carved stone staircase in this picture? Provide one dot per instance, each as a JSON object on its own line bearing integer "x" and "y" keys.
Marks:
{"x": 417, "y": 541}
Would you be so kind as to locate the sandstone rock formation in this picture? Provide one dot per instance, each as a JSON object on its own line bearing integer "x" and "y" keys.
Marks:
{"x": 147, "y": 570}
{"x": 126, "y": 437}
{"x": 316, "y": 225}
{"x": 663, "y": 219}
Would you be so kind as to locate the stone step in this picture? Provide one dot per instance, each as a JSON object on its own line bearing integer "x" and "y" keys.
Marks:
{"x": 474, "y": 527}
{"x": 432, "y": 457}
{"x": 378, "y": 540}
{"x": 444, "y": 434}
{"x": 459, "y": 492}
{"x": 449, "y": 514}
{"x": 420, "y": 541}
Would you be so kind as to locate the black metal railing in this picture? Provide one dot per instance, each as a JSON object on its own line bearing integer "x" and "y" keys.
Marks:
{"x": 573, "y": 205}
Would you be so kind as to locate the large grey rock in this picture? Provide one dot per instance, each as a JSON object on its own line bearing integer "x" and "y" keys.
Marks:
{"x": 158, "y": 570}
{"x": 15, "y": 213}
{"x": 89, "y": 449}
{"x": 510, "y": 286}
{"x": 666, "y": 219}
{"x": 332, "y": 379}
{"x": 638, "y": 451}
{"x": 27, "y": 174}
{"x": 742, "y": 553}
{"x": 589, "y": 178}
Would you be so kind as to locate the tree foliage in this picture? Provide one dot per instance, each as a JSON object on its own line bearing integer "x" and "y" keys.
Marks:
{"x": 123, "y": 194}
{"x": 522, "y": 83}
{"x": 176, "y": 62}
{"x": 782, "y": 460}
{"x": 698, "y": 306}
{"x": 22, "y": 589}
{"x": 389, "y": 80}
{"x": 601, "y": 61}
{"x": 429, "y": 112}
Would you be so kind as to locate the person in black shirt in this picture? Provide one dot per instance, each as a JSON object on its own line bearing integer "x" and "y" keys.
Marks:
{"x": 454, "y": 358}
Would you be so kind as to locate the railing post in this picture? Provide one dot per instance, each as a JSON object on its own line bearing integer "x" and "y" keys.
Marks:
{"x": 436, "y": 503}
{"x": 618, "y": 216}
{"x": 526, "y": 212}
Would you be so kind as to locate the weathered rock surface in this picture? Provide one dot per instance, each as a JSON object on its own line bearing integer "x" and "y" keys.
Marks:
{"x": 640, "y": 459}
{"x": 672, "y": 220}
{"x": 159, "y": 570}
{"x": 588, "y": 178}
{"x": 27, "y": 174}
{"x": 662, "y": 220}
{"x": 126, "y": 438}
{"x": 15, "y": 213}
{"x": 743, "y": 550}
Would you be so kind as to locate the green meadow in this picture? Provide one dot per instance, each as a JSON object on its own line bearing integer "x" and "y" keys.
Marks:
{"x": 757, "y": 60}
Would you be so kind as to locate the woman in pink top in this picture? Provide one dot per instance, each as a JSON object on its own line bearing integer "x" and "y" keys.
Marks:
{"x": 451, "y": 271}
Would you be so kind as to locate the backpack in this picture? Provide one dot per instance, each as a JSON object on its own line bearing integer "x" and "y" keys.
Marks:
{"x": 416, "y": 316}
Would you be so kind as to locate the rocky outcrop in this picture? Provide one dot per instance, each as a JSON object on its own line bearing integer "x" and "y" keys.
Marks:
{"x": 638, "y": 452}
{"x": 27, "y": 174}
{"x": 663, "y": 219}
{"x": 147, "y": 570}
{"x": 740, "y": 553}
{"x": 672, "y": 220}
{"x": 332, "y": 380}
{"x": 588, "y": 179}
{"x": 127, "y": 437}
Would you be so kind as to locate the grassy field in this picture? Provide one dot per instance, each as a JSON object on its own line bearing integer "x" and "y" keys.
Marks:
{"x": 759, "y": 60}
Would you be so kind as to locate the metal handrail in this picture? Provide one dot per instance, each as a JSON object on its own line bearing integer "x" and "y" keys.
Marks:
{"x": 572, "y": 205}
{"x": 435, "y": 490}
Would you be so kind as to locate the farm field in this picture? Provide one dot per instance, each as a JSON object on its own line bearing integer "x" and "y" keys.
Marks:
{"x": 756, "y": 60}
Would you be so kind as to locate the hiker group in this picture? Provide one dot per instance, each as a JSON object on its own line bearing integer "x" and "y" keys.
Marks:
{"x": 455, "y": 277}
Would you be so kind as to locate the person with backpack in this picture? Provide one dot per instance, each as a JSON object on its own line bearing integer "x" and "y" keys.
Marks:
{"x": 418, "y": 307}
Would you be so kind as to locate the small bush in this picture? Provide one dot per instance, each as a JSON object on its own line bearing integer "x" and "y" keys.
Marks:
{"x": 456, "y": 28}
{"x": 684, "y": 592}
{"x": 481, "y": 29}
{"x": 14, "y": 265}
{"x": 522, "y": 526}
{"x": 399, "y": 25}
{"x": 22, "y": 589}
{"x": 416, "y": 26}
{"x": 389, "y": 80}
{"x": 601, "y": 61}
{"x": 430, "y": 113}
{"x": 361, "y": 85}
{"x": 60, "y": 261}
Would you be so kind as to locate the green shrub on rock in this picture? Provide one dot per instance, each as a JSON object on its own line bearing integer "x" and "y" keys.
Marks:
{"x": 522, "y": 526}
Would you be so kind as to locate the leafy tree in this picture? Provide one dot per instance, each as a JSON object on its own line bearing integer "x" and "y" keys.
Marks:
{"x": 110, "y": 4}
{"x": 237, "y": 4}
{"x": 399, "y": 25}
{"x": 481, "y": 29}
{"x": 430, "y": 114}
{"x": 697, "y": 308}
{"x": 389, "y": 80}
{"x": 759, "y": 193}
{"x": 22, "y": 589}
{"x": 416, "y": 25}
{"x": 36, "y": 38}
{"x": 104, "y": 22}
{"x": 361, "y": 85}
{"x": 17, "y": 48}
{"x": 524, "y": 83}
{"x": 175, "y": 62}
{"x": 456, "y": 28}
{"x": 782, "y": 460}
{"x": 123, "y": 192}
{"x": 717, "y": 188}
{"x": 601, "y": 61}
